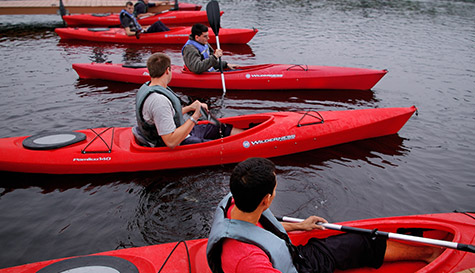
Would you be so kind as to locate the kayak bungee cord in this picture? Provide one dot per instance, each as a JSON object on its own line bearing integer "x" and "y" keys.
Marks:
{"x": 169, "y": 255}
{"x": 99, "y": 135}
{"x": 298, "y": 65}
{"x": 466, "y": 213}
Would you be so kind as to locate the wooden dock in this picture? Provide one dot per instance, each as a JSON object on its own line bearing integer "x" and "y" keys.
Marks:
{"x": 71, "y": 6}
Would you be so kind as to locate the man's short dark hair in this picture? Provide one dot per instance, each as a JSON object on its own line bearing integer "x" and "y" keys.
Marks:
{"x": 129, "y": 4}
{"x": 198, "y": 29}
{"x": 251, "y": 181}
{"x": 157, "y": 64}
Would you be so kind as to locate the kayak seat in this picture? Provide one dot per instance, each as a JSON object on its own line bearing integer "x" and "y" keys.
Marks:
{"x": 48, "y": 141}
{"x": 252, "y": 125}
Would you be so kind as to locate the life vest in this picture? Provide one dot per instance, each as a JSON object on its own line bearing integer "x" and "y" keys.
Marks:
{"x": 149, "y": 131}
{"x": 203, "y": 49}
{"x": 134, "y": 25}
{"x": 273, "y": 240}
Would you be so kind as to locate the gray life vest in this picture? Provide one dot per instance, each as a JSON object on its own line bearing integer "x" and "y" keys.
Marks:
{"x": 279, "y": 250}
{"x": 149, "y": 131}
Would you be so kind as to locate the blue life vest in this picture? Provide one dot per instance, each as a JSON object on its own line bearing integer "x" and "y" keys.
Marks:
{"x": 203, "y": 49}
{"x": 279, "y": 250}
{"x": 136, "y": 26}
{"x": 149, "y": 131}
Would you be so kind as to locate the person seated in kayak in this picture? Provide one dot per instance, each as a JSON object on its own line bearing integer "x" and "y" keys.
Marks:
{"x": 141, "y": 8}
{"x": 159, "y": 113}
{"x": 198, "y": 55}
{"x": 132, "y": 26}
{"x": 246, "y": 237}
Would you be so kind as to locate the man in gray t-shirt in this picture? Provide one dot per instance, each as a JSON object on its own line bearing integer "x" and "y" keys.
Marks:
{"x": 160, "y": 120}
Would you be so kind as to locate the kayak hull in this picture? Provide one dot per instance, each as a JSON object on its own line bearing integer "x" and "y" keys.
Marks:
{"x": 457, "y": 227}
{"x": 169, "y": 18}
{"x": 176, "y": 35}
{"x": 257, "y": 77}
{"x": 109, "y": 150}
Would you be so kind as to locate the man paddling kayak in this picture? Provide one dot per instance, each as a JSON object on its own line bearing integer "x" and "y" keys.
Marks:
{"x": 132, "y": 26}
{"x": 159, "y": 113}
{"x": 246, "y": 237}
{"x": 198, "y": 55}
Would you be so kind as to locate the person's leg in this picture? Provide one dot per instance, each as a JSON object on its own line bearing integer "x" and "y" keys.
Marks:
{"x": 158, "y": 26}
{"x": 396, "y": 251}
{"x": 236, "y": 131}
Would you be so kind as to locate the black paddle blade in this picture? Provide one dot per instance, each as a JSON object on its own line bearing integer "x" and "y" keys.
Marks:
{"x": 207, "y": 116}
{"x": 214, "y": 18}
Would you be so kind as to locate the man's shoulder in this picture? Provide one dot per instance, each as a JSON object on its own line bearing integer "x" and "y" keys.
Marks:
{"x": 190, "y": 47}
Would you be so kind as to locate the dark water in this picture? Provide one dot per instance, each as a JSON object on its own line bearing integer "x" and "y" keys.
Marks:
{"x": 428, "y": 47}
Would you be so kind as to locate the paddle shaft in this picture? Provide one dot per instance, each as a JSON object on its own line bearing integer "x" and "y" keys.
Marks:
{"x": 214, "y": 19}
{"x": 221, "y": 66}
{"x": 391, "y": 235}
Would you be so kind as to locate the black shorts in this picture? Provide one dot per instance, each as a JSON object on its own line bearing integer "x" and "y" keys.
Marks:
{"x": 206, "y": 132}
{"x": 342, "y": 251}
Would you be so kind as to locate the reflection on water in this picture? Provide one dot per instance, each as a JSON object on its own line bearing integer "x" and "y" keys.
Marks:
{"x": 27, "y": 30}
{"x": 136, "y": 53}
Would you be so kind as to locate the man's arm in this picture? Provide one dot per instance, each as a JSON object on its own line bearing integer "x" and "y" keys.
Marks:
{"x": 129, "y": 32}
{"x": 176, "y": 137}
{"x": 308, "y": 224}
{"x": 192, "y": 59}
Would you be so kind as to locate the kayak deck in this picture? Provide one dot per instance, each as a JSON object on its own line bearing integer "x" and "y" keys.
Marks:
{"x": 457, "y": 227}
{"x": 107, "y": 150}
{"x": 176, "y": 35}
{"x": 255, "y": 77}
{"x": 170, "y": 18}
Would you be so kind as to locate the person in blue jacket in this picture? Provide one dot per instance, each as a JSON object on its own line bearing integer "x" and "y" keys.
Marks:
{"x": 199, "y": 56}
{"x": 132, "y": 27}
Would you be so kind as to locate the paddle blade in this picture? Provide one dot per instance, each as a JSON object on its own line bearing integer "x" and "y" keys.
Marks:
{"x": 207, "y": 116}
{"x": 214, "y": 18}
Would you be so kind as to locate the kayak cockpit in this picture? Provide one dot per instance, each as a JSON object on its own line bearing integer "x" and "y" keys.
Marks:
{"x": 250, "y": 123}
{"x": 241, "y": 69}
{"x": 426, "y": 229}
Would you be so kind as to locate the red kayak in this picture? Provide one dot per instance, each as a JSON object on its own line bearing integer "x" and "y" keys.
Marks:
{"x": 456, "y": 227}
{"x": 112, "y": 19}
{"x": 176, "y": 35}
{"x": 108, "y": 150}
{"x": 256, "y": 77}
